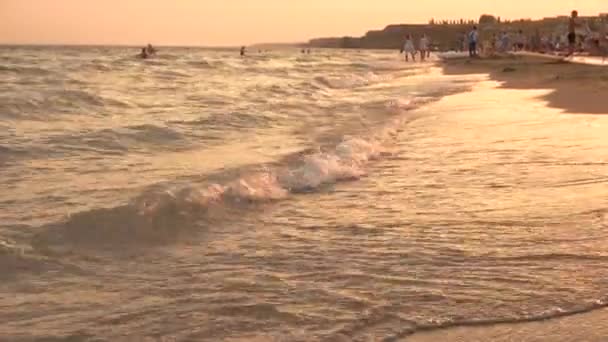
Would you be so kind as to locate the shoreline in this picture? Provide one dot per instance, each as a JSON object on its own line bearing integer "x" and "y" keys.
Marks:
{"x": 576, "y": 88}
{"x": 584, "y": 325}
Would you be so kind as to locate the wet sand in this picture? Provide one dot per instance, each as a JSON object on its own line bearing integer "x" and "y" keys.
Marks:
{"x": 576, "y": 88}
{"x": 589, "y": 327}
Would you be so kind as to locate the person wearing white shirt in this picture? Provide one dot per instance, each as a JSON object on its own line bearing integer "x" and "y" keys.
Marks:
{"x": 409, "y": 49}
{"x": 423, "y": 47}
{"x": 473, "y": 39}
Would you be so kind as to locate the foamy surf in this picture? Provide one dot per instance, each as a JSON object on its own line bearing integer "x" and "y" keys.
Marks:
{"x": 352, "y": 81}
{"x": 165, "y": 212}
{"x": 344, "y": 162}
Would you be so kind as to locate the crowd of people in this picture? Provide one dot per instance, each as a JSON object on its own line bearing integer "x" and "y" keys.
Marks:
{"x": 578, "y": 38}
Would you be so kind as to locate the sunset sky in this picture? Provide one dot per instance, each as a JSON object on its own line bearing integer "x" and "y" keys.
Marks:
{"x": 236, "y": 22}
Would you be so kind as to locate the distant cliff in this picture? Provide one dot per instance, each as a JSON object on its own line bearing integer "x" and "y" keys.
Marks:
{"x": 443, "y": 36}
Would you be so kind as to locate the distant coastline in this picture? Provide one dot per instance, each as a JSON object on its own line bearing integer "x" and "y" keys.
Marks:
{"x": 445, "y": 34}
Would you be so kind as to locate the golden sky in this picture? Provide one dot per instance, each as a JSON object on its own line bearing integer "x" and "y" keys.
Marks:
{"x": 237, "y": 22}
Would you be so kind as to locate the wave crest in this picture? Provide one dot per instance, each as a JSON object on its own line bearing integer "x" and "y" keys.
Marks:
{"x": 351, "y": 81}
{"x": 164, "y": 212}
{"x": 309, "y": 172}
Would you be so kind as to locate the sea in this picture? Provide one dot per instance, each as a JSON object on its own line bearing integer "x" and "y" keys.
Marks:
{"x": 340, "y": 195}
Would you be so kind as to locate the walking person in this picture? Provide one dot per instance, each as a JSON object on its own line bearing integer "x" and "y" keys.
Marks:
{"x": 505, "y": 42}
{"x": 409, "y": 49}
{"x": 573, "y": 25}
{"x": 473, "y": 39}
{"x": 520, "y": 41}
{"x": 464, "y": 42}
{"x": 423, "y": 47}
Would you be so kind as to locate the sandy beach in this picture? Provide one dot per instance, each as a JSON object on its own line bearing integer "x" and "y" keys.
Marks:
{"x": 576, "y": 88}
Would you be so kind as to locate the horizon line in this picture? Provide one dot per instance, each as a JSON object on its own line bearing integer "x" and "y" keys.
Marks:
{"x": 2, "y": 44}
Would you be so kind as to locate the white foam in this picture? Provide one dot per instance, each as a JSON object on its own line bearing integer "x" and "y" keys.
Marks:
{"x": 358, "y": 151}
{"x": 181, "y": 199}
{"x": 346, "y": 161}
{"x": 256, "y": 187}
{"x": 407, "y": 103}
{"x": 319, "y": 169}
{"x": 352, "y": 80}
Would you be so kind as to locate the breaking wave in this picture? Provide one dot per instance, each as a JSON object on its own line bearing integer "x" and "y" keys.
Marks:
{"x": 352, "y": 80}
{"x": 165, "y": 212}
{"x": 309, "y": 172}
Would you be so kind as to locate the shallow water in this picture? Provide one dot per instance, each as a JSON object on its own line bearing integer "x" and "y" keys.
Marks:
{"x": 332, "y": 196}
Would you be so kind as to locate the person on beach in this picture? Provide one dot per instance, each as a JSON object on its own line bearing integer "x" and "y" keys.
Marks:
{"x": 520, "y": 41}
{"x": 497, "y": 43}
{"x": 558, "y": 43}
{"x": 473, "y": 39}
{"x": 545, "y": 44}
{"x": 493, "y": 45}
{"x": 573, "y": 24}
{"x": 535, "y": 43}
{"x": 505, "y": 42}
{"x": 423, "y": 47}
{"x": 409, "y": 49}
{"x": 464, "y": 41}
{"x": 551, "y": 42}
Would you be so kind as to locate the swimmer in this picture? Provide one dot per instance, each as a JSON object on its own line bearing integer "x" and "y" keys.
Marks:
{"x": 150, "y": 50}
{"x": 143, "y": 54}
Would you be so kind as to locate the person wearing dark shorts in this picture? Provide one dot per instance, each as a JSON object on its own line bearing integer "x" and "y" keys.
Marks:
{"x": 473, "y": 39}
{"x": 572, "y": 32}
{"x": 572, "y": 38}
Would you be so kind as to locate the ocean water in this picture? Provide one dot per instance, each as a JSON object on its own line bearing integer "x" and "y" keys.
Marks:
{"x": 336, "y": 196}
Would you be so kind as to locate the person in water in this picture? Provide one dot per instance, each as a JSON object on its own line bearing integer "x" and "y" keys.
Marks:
{"x": 423, "y": 47}
{"x": 242, "y": 51}
{"x": 150, "y": 50}
{"x": 143, "y": 54}
{"x": 409, "y": 49}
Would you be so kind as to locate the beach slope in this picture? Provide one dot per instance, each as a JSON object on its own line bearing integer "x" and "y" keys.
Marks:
{"x": 576, "y": 88}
